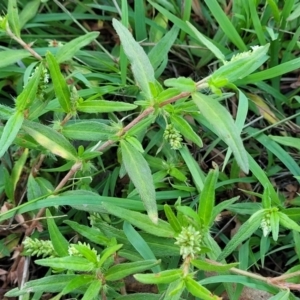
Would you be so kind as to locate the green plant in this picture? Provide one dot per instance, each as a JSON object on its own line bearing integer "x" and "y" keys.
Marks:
{"x": 92, "y": 140}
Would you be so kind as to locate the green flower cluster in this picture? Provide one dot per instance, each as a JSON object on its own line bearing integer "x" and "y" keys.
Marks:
{"x": 39, "y": 248}
{"x": 189, "y": 241}
{"x": 265, "y": 224}
{"x": 173, "y": 136}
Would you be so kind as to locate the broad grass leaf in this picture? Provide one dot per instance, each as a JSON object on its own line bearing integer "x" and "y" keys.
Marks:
{"x": 10, "y": 131}
{"x": 244, "y": 232}
{"x": 120, "y": 271}
{"x": 60, "y": 244}
{"x": 28, "y": 95}
{"x": 207, "y": 43}
{"x": 162, "y": 47}
{"x": 59, "y": 83}
{"x": 140, "y": 174}
{"x": 222, "y": 122}
{"x": 141, "y": 67}
{"x": 9, "y": 57}
{"x": 68, "y": 50}
{"x": 104, "y": 106}
{"x": 13, "y": 17}
{"x": 207, "y": 198}
{"x": 51, "y": 140}
{"x": 140, "y": 220}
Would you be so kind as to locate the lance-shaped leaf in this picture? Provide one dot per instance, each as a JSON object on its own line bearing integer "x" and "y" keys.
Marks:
{"x": 13, "y": 17}
{"x": 68, "y": 50}
{"x": 10, "y": 131}
{"x": 140, "y": 174}
{"x": 29, "y": 11}
{"x": 223, "y": 124}
{"x": 167, "y": 276}
{"x": 59, "y": 83}
{"x": 207, "y": 198}
{"x": 212, "y": 267}
{"x": 141, "y": 67}
{"x": 28, "y": 94}
{"x": 51, "y": 140}
{"x": 104, "y": 106}
{"x": 9, "y": 57}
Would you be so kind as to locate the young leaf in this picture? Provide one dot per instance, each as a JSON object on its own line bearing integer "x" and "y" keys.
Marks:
{"x": 59, "y": 84}
{"x": 167, "y": 276}
{"x": 186, "y": 130}
{"x": 106, "y": 253}
{"x": 68, "y": 50}
{"x": 287, "y": 222}
{"x": 224, "y": 127}
{"x": 28, "y": 95}
{"x": 140, "y": 174}
{"x": 120, "y": 271}
{"x": 141, "y": 221}
{"x": 77, "y": 282}
{"x": 60, "y": 244}
{"x": 51, "y": 140}
{"x": 182, "y": 84}
{"x": 10, "y": 131}
{"x": 172, "y": 219}
{"x": 13, "y": 17}
{"x": 103, "y": 106}
{"x": 207, "y": 198}
{"x": 141, "y": 67}
{"x": 244, "y": 232}
{"x": 266, "y": 198}
{"x": 73, "y": 263}
{"x": 274, "y": 223}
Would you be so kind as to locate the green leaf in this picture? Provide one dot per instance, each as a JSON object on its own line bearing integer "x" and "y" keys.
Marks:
{"x": 120, "y": 271}
{"x": 104, "y": 106}
{"x": 93, "y": 290}
{"x": 167, "y": 276}
{"x": 13, "y": 17}
{"x": 72, "y": 263}
{"x": 208, "y": 266}
{"x": 51, "y": 284}
{"x": 286, "y": 141}
{"x": 283, "y": 295}
{"x": 9, "y": 57}
{"x": 10, "y": 131}
{"x": 86, "y": 130}
{"x": 141, "y": 221}
{"x": 287, "y": 222}
{"x": 68, "y": 50}
{"x": 224, "y": 127}
{"x": 207, "y": 198}
{"x": 60, "y": 244}
{"x": 207, "y": 43}
{"x": 139, "y": 244}
{"x": 183, "y": 84}
{"x": 140, "y": 174}
{"x": 197, "y": 290}
{"x": 106, "y": 253}
{"x": 172, "y": 219}
{"x": 134, "y": 142}
{"x": 162, "y": 47}
{"x": 77, "y": 282}
{"x": 51, "y": 140}
{"x": 141, "y": 67}
{"x": 18, "y": 169}
{"x": 239, "y": 67}
{"x": 59, "y": 84}
{"x": 90, "y": 233}
{"x": 29, "y": 11}
{"x": 244, "y": 232}
{"x": 186, "y": 130}
{"x": 28, "y": 95}
{"x": 274, "y": 223}
{"x": 5, "y": 111}
{"x": 266, "y": 198}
